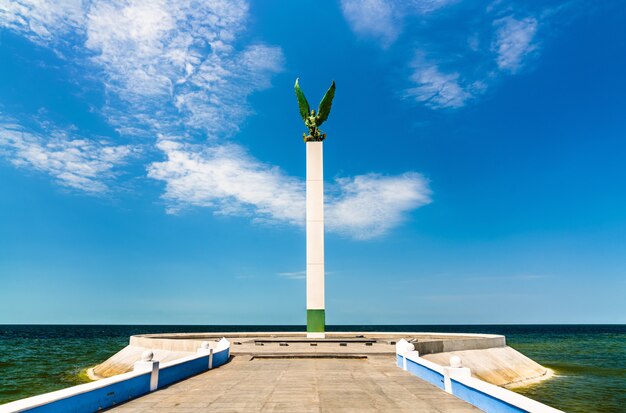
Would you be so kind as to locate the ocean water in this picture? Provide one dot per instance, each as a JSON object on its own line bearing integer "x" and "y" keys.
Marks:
{"x": 589, "y": 360}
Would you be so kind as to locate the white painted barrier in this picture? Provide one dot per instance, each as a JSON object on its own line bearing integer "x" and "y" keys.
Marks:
{"x": 457, "y": 380}
{"x": 147, "y": 375}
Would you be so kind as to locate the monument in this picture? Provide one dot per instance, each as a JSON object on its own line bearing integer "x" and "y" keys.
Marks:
{"x": 315, "y": 307}
{"x": 284, "y": 372}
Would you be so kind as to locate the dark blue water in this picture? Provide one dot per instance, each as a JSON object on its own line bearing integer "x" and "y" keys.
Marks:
{"x": 589, "y": 360}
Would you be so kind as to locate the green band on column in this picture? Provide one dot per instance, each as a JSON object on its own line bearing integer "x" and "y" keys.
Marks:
{"x": 315, "y": 321}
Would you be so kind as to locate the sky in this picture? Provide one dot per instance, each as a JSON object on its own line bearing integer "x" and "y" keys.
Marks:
{"x": 152, "y": 163}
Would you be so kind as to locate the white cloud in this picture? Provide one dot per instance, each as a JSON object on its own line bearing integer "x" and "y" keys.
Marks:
{"x": 42, "y": 21}
{"x": 231, "y": 182}
{"x": 177, "y": 69}
{"x": 177, "y": 59}
{"x": 427, "y": 6}
{"x": 228, "y": 180}
{"x": 383, "y": 19}
{"x": 213, "y": 99}
{"x": 514, "y": 41}
{"x": 148, "y": 46}
{"x": 166, "y": 64}
{"x": 294, "y": 275}
{"x": 169, "y": 66}
{"x": 472, "y": 62}
{"x": 370, "y": 205}
{"x": 373, "y": 18}
{"x": 73, "y": 161}
{"x": 437, "y": 89}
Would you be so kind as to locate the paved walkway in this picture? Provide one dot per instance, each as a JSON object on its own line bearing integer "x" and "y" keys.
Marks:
{"x": 301, "y": 385}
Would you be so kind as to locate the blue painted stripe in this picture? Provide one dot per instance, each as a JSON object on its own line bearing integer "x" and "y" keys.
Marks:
{"x": 178, "y": 372}
{"x": 483, "y": 401}
{"x": 99, "y": 399}
{"x": 424, "y": 373}
{"x": 123, "y": 391}
{"x": 221, "y": 357}
{"x": 181, "y": 371}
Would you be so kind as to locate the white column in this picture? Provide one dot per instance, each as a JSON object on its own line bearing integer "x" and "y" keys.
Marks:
{"x": 315, "y": 240}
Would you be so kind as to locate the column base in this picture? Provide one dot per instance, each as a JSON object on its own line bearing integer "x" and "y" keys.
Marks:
{"x": 315, "y": 335}
{"x": 315, "y": 321}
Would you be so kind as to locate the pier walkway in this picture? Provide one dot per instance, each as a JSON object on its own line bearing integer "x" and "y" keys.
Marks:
{"x": 277, "y": 384}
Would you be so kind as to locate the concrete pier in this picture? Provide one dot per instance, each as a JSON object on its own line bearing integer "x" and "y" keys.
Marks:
{"x": 272, "y": 384}
{"x": 343, "y": 372}
{"x": 167, "y": 347}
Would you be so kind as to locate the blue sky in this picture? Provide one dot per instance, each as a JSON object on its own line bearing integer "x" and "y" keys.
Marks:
{"x": 152, "y": 163}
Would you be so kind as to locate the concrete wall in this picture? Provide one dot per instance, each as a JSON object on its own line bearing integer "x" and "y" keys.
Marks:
{"x": 502, "y": 366}
{"x": 446, "y": 344}
{"x": 172, "y": 346}
{"x": 166, "y": 348}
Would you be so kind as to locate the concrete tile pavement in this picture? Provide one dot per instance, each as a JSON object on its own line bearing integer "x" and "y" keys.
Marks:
{"x": 245, "y": 384}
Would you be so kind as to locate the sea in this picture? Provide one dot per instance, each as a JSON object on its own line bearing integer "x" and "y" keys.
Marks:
{"x": 589, "y": 361}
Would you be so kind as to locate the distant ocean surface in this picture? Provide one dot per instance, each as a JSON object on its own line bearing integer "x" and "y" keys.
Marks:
{"x": 589, "y": 360}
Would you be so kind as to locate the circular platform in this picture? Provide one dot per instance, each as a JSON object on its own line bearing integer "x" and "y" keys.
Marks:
{"x": 486, "y": 354}
{"x": 333, "y": 343}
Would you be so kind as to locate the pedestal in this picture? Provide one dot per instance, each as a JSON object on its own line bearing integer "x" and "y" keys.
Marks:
{"x": 315, "y": 310}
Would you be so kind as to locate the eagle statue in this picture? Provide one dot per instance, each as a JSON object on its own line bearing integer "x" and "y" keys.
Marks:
{"x": 311, "y": 119}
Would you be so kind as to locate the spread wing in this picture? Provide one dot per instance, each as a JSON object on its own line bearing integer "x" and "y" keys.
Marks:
{"x": 302, "y": 103}
{"x": 325, "y": 104}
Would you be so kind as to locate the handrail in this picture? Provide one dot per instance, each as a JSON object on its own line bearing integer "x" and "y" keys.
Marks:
{"x": 105, "y": 393}
{"x": 457, "y": 380}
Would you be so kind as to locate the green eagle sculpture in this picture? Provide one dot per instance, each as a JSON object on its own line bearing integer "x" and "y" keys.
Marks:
{"x": 310, "y": 118}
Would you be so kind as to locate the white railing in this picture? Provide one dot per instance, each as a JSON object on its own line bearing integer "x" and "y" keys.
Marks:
{"x": 457, "y": 380}
{"x": 148, "y": 375}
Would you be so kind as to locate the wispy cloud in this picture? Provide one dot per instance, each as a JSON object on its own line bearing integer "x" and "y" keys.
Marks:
{"x": 75, "y": 162}
{"x": 437, "y": 89}
{"x": 373, "y": 18}
{"x": 42, "y": 21}
{"x": 166, "y": 64}
{"x": 368, "y": 206}
{"x": 459, "y": 69}
{"x": 176, "y": 71}
{"x": 383, "y": 19}
{"x": 168, "y": 67}
{"x": 295, "y": 275}
{"x": 177, "y": 59}
{"x": 300, "y": 275}
{"x": 514, "y": 41}
{"x": 226, "y": 179}
{"x": 214, "y": 98}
